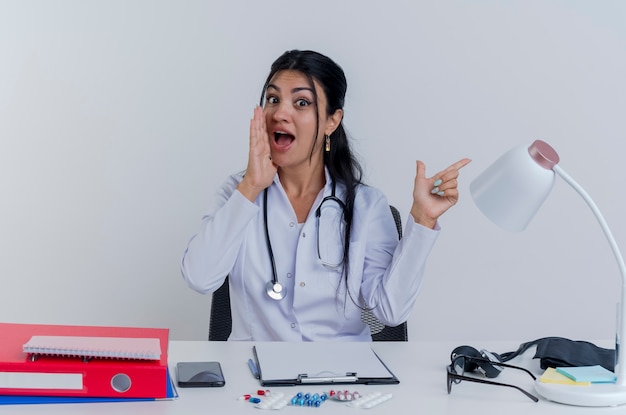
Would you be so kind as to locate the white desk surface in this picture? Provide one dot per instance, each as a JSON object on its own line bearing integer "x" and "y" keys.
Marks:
{"x": 420, "y": 366}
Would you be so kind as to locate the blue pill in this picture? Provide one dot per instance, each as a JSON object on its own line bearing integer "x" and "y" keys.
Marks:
{"x": 255, "y": 400}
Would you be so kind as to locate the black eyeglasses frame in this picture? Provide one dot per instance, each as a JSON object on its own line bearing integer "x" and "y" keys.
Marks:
{"x": 454, "y": 377}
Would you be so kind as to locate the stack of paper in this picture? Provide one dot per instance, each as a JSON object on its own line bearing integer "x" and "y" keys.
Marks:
{"x": 580, "y": 376}
{"x": 95, "y": 347}
{"x": 552, "y": 376}
{"x": 593, "y": 374}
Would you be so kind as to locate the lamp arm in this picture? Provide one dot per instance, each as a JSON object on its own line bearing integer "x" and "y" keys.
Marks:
{"x": 620, "y": 369}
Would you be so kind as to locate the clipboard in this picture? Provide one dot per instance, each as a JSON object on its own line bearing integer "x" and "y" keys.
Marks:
{"x": 318, "y": 363}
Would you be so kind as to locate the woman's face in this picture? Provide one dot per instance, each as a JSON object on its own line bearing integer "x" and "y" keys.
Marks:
{"x": 291, "y": 115}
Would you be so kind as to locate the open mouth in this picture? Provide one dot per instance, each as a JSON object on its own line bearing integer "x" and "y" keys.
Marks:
{"x": 283, "y": 139}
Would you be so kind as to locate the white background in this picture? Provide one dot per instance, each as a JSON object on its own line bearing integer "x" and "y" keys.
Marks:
{"x": 119, "y": 120}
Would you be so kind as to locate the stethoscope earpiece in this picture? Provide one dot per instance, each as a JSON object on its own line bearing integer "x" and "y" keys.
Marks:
{"x": 275, "y": 290}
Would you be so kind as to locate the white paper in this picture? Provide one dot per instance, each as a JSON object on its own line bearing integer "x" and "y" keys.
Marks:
{"x": 285, "y": 361}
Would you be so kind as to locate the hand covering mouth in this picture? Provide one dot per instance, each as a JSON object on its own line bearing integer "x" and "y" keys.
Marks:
{"x": 283, "y": 139}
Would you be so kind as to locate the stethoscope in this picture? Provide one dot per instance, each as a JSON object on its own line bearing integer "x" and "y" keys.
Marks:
{"x": 274, "y": 289}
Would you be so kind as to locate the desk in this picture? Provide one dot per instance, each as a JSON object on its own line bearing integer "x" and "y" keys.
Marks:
{"x": 420, "y": 366}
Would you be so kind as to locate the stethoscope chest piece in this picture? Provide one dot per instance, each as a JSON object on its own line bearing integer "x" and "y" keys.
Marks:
{"x": 275, "y": 290}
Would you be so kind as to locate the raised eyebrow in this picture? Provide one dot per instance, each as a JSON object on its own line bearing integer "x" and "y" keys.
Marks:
{"x": 294, "y": 90}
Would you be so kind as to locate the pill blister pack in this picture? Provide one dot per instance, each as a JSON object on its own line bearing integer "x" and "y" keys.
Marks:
{"x": 369, "y": 400}
{"x": 276, "y": 400}
{"x": 264, "y": 399}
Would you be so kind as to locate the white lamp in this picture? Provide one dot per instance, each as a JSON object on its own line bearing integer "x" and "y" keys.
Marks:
{"x": 509, "y": 193}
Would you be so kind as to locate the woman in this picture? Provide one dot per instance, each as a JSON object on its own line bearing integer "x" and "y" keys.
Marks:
{"x": 307, "y": 245}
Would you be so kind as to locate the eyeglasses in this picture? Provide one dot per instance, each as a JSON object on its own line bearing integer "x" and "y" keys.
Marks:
{"x": 459, "y": 361}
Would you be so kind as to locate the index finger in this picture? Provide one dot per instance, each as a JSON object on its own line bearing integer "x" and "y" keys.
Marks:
{"x": 458, "y": 165}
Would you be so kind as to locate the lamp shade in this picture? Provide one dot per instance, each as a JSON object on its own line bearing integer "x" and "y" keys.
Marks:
{"x": 512, "y": 189}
